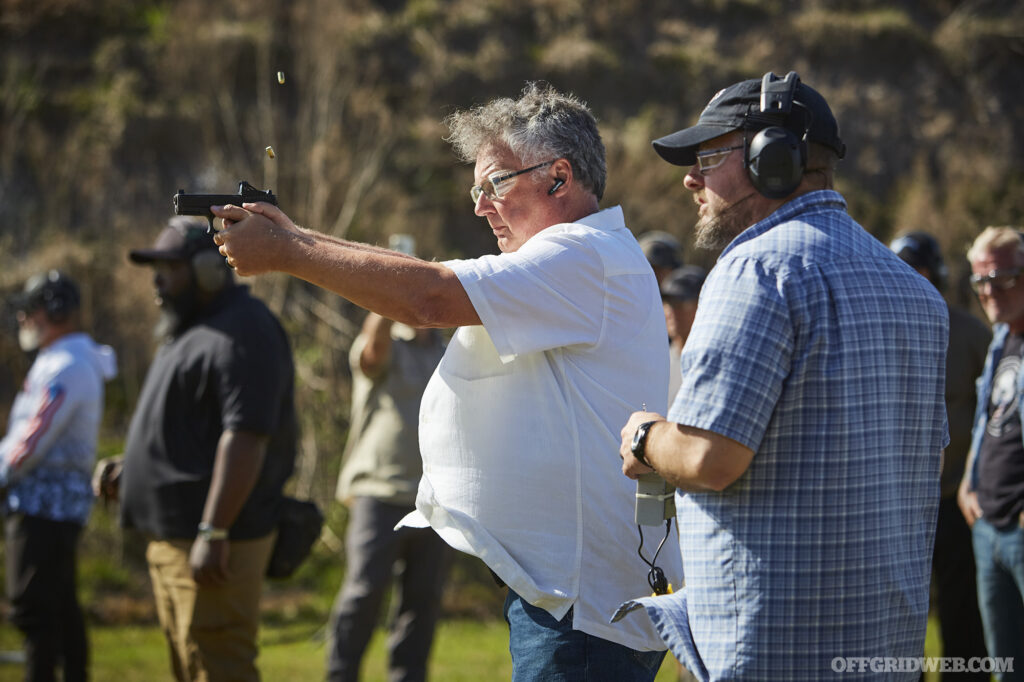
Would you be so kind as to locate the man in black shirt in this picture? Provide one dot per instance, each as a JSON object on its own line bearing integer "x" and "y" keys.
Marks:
{"x": 209, "y": 448}
{"x": 955, "y": 595}
{"x": 991, "y": 494}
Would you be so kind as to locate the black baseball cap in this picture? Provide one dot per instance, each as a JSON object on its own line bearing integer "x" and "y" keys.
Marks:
{"x": 739, "y": 107}
{"x": 52, "y": 290}
{"x": 921, "y": 250}
{"x": 683, "y": 283}
{"x": 661, "y": 249}
{"x": 180, "y": 240}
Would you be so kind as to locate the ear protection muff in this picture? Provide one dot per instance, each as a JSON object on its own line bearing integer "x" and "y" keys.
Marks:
{"x": 554, "y": 188}
{"x": 210, "y": 271}
{"x": 208, "y": 266}
{"x": 776, "y": 157}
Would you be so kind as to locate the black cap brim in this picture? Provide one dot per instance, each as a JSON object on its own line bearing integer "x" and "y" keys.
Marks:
{"x": 680, "y": 148}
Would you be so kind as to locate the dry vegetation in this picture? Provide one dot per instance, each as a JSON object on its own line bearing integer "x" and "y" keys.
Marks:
{"x": 109, "y": 106}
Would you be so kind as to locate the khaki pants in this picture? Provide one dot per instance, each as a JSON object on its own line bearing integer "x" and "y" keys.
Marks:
{"x": 211, "y": 631}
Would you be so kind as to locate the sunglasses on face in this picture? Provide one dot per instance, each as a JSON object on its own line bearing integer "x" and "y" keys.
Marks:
{"x": 499, "y": 182}
{"x": 998, "y": 280}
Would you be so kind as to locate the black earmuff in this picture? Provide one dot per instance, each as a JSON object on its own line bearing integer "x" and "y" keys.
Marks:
{"x": 558, "y": 183}
{"x": 210, "y": 270}
{"x": 776, "y": 157}
{"x": 208, "y": 266}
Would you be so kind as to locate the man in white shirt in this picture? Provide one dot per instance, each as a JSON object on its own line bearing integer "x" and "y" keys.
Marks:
{"x": 560, "y": 338}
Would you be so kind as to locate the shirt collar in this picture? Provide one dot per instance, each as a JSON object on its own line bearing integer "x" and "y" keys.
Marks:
{"x": 816, "y": 201}
{"x": 606, "y": 219}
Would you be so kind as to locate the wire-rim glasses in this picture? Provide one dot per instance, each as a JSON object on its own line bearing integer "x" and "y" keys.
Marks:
{"x": 497, "y": 183}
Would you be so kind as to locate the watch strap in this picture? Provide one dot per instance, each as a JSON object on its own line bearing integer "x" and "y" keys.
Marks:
{"x": 209, "y": 532}
{"x": 639, "y": 445}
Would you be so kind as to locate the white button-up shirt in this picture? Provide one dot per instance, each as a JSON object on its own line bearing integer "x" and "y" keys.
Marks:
{"x": 519, "y": 426}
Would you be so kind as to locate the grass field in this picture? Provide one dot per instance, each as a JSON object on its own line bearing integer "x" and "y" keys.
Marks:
{"x": 464, "y": 651}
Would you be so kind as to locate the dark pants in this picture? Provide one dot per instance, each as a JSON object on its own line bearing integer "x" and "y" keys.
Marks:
{"x": 376, "y": 553}
{"x": 41, "y": 568}
{"x": 956, "y": 591}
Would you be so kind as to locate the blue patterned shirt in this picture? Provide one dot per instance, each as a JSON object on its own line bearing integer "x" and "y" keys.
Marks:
{"x": 47, "y": 455}
{"x": 819, "y": 349}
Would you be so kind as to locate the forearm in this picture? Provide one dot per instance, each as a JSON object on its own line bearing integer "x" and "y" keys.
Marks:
{"x": 396, "y": 286}
{"x": 376, "y": 351}
{"x": 236, "y": 470}
{"x": 34, "y": 437}
{"x": 693, "y": 459}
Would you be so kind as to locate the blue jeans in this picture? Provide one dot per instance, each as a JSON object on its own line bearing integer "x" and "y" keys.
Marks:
{"x": 547, "y": 650}
{"x": 999, "y": 557}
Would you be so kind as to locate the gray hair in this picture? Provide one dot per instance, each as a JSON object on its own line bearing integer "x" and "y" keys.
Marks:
{"x": 542, "y": 124}
{"x": 997, "y": 238}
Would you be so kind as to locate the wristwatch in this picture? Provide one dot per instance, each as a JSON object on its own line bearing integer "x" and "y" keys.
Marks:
{"x": 209, "y": 533}
{"x": 639, "y": 444}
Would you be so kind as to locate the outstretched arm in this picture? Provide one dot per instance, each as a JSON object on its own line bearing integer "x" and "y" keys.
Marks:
{"x": 259, "y": 238}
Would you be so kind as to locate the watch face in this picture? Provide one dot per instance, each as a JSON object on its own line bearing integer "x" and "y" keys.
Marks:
{"x": 638, "y": 437}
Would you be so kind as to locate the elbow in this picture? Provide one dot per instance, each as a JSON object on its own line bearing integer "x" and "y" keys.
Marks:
{"x": 439, "y": 303}
{"x": 425, "y": 309}
{"x": 718, "y": 481}
{"x": 718, "y": 473}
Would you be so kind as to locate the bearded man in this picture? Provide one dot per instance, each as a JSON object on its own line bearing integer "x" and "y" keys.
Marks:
{"x": 210, "y": 446}
{"x": 807, "y": 435}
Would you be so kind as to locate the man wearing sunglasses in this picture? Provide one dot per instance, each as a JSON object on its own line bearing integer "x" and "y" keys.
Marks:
{"x": 810, "y": 423}
{"x": 560, "y": 337}
{"x": 992, "y": 492}
{"x": 954, "y": 593}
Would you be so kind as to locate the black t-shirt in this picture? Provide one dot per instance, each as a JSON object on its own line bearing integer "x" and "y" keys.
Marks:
{"x": 230, "y": 369}
{"x": 1001, "y": 454}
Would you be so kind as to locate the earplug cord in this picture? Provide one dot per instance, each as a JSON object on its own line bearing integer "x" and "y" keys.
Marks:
{"x": 655, "y": 576}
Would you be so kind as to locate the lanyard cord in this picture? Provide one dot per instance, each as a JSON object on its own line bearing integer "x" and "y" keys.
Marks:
{"x": 655, "y": 577}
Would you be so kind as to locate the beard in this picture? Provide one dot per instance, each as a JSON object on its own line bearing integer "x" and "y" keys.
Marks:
{"x": 715, "y": 231}
{"x": 176, "y": 314}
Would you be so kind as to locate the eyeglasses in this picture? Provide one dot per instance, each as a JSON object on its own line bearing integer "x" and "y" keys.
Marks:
{"x": 713, "y": 158}
{"x": 999, "y": 280}
{"x": 499, "y": 182}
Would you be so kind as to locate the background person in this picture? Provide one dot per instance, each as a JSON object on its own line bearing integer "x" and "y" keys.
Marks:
{"x": 663, "y": 252}
{"x": 956, "y": 596}
{"x": 45, "y": 461}
{"x": 992, "y": 492}
{"x": 809, "y": 427}
{"x": 208, "y": 451}
{"x": 559, "y": 338}
{"x": 679, "y": 294}
{"x": 381, "y": 468}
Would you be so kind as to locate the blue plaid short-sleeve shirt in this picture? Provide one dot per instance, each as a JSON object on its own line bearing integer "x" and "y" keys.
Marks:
{"x": 820, "y": 350}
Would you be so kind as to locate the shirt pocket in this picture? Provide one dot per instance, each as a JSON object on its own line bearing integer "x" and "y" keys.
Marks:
{"x": 472, "y": 356}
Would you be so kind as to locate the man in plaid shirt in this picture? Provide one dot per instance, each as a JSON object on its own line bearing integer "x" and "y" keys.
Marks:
{"x": 806, "y": 438}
